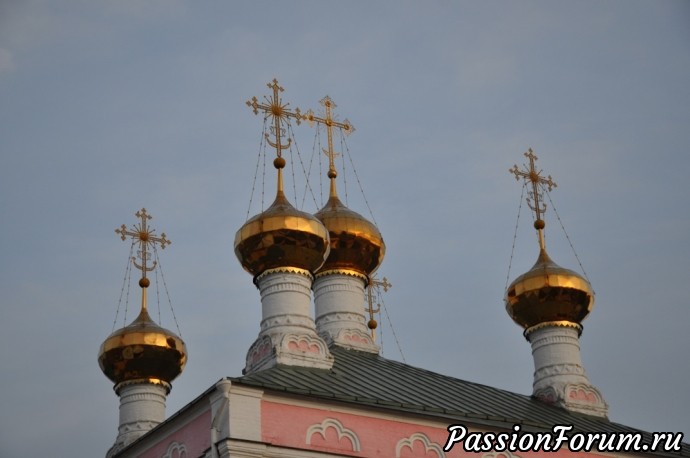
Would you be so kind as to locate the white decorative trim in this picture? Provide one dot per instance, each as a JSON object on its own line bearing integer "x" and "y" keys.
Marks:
{"x": 283, "y": 270}
{"x": 505, "y": 454}
{"x": 175, "y": 447}
{"x": 290, "y": 284}
{"x": 142, "y": 381}
{"x": 337, "y": 285}
{"x": 578, "y": 397}
{"x": 260, "y": 349}
{"x": 586, "y": 399}
{"x": 346, "y": 272}
{"x": 341, "y": 316}
{"x": 303, "y": 343}
{"x": 292, "y": 349}
{"x": 581, "y": 393}
{"x": 547, "y": 395}
{"x": 320, "y": 428}
{"x": 354, "y": 339}
{"x": 558, "y": 369}
{"x": 278, "y": 321}
{"x": 428, "y": 445}
{"x": 303, "y": 350}
{"x": 553, "y": 324}
{"x": 137, "y": 427}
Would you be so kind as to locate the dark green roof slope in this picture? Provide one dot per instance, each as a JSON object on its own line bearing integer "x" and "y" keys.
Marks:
{"x": 371, "y": 380}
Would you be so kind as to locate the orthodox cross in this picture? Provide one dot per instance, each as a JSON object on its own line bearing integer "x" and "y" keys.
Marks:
{"x": 536, "y": 179}
{"x": 329, "y": 122}
{"x": 375, "y": 284}
{"x": 145, "y": 236}
{"x": 531, "y": 174}
{"x": 275, "y": 108}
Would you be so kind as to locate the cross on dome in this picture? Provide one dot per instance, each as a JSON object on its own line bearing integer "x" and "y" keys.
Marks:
{"x": 531, "y": 175}
{"x": 330, "y": 122}
{"x": 142, "y": 234}
{"x": 275, "y": 109}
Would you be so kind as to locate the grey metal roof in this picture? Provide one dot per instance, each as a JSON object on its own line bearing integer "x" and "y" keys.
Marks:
{"x": 371, "y": 380}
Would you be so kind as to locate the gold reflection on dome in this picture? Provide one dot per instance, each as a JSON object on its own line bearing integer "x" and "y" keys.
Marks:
{"x": 143, "y": 350}
{"x": 282, "y": 236}
{"x": 548, "y": 292}
{"x": 356, "y": 244}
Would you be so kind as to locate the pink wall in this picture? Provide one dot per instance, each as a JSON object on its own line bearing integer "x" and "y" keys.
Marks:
{"x": 288, "y": 425}
{"x": 194, "y": 436}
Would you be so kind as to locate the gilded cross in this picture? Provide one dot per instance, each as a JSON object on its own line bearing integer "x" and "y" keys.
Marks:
{"x": 330, "y": 122}
{"x": 275, "y": 108}
{"x": 145, "y": 236}
{"x": 375, "y": 284}
{"x": 533, "y": 176}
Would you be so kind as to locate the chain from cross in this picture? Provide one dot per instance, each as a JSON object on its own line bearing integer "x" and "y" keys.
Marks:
{"x": 534, "y": 177}
{"x": 275, "y": 109}
{"x": 142, "y": 234}
{"x": 330, "y": 122}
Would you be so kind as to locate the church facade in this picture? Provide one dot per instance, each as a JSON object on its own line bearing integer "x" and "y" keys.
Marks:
{"x": 364, "y": 406}
{"x": 314, "y": 383}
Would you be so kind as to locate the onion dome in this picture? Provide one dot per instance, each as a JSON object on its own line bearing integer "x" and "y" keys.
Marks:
{"x": 142, "y": 351}
{"x": 356, "y": 244}
{"x": 281, "y": 237}
{"x": 549, "y": 293}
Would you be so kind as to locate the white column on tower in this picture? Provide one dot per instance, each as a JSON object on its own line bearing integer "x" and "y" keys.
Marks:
{"x": 559, "y": 376}
{"x": 288, "y": 335}
{"x": 142, "y": 407}
{"x": 340, "y": 319}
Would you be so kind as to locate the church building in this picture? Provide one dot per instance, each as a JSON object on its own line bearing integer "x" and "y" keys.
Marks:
{"x": 314, "y": 383}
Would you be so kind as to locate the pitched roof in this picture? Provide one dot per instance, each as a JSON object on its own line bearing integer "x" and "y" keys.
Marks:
{"x": 371, "y": 380}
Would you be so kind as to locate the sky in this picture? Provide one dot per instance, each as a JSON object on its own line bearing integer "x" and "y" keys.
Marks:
{"x": 108, "y": 107}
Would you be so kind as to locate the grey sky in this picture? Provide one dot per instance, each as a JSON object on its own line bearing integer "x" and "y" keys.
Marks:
{"x": 109, "y": 107}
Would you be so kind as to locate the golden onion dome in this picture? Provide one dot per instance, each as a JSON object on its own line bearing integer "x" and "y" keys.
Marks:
{"x": 356, "y": 244}
{"x": 281, "y": 236}
{"x": 142, "y": 351}
{"x": 548, "y": 293}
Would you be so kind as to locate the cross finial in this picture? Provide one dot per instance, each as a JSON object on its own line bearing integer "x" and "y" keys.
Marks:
{"x": 330, "y": 122}
{"x": 142, "y": 234}
{"x": 275, "y": 109}
{"x": 531, "y": 175}
{"x": 375, "y": 284}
